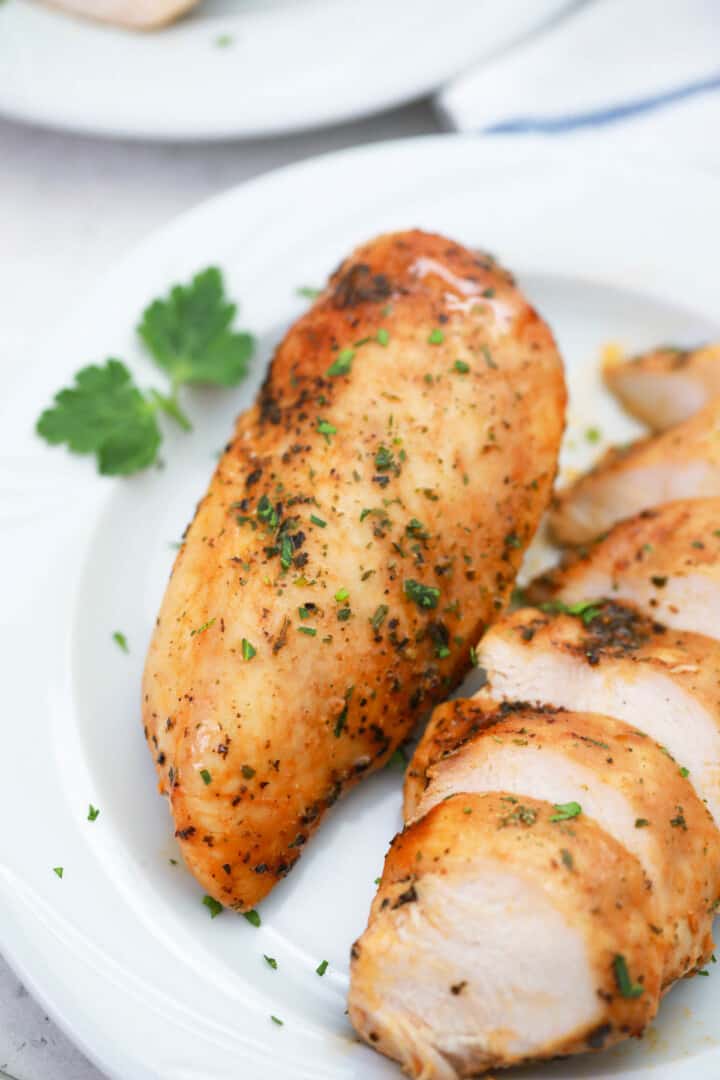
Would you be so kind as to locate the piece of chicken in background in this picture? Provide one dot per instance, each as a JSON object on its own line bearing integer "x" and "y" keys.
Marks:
{"x": 132, "y": 14}
{"x": 682, "y": 462}
{"x": 665, "y": 386}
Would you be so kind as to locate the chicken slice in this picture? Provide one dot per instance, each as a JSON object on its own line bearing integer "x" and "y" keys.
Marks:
{"x": 618, "y": 663}
{"x": 133, "y": 14}
{"x": 665, "y": 386}
{"x": 681, "y": 463}
{"x": 622, "y": 780}
{"x": 666, "y": 562}
{"x": 482, "y": 949}
{"x": 363, "y": 526}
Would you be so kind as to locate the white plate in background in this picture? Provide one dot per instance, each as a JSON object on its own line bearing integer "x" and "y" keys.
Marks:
{"x": 236, "y": 68}
{"x": 122, "y": 950}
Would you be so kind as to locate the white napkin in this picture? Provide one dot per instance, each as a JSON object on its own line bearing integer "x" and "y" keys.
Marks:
{"x": 634, "y": 73}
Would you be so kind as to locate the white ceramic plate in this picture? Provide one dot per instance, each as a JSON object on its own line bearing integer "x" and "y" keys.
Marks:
{"x": 122, "y": 950}
{"x": 246, "y": 67}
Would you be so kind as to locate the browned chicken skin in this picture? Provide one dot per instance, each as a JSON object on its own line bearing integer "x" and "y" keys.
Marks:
{"x": 364, "y": 525}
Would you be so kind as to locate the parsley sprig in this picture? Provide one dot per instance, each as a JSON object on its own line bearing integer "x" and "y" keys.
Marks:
{"x": 188, "y": 334}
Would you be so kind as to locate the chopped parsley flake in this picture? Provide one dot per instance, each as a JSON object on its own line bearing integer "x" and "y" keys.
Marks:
{"x": 321, "y": 968}
{"x": 267, "y": 512}
{"x": 565, "y": 811}
{"x": 271, "y": 961}
{"x": 593, "y": 435}
{"x": 318, "y": 521}
{"x": 641, "y": 823}
{"x": 585, "y": 610}
{"x": 93, "y": 813}
{"x": 417, "y": 529}
{"x": 461, "y": 367}
{"x": 341, "y": 594}
{"x": 425, "y": 596}
{"x": 625, "y": 985}
{"x": 253, "y": 917}
{"x": 308, "y": 292}
{"x": 342, "y": 365}
{"x": 247, "y": 771}
{"x": 206, "y": 776}
{"x": 326, "y": 429}
{"x": 436, "y": 336}
{"x": 382, "y": 337}
{"x": 309, "y": 630}
{"x": 203, "y": 628}
{"x": 277, "y": 1020}
{"x": 248, "y": 650}
{"x": 379, "y": 617}
{"x": 385, "y": 460}
{"x": 121, "y": 640}
{"x": 488, "y": 358}
{"x": 213, "y": 906}
{"x": 567, "y": 859}
{"x": 58, "y": 870}
{"x": 684, "y": 772}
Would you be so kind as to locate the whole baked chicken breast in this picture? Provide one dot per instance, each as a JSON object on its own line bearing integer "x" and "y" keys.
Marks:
{"x": 362, "y": 528}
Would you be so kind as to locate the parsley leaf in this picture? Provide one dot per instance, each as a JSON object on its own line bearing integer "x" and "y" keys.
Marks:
{"x": 425, "y": 596}
{"x": 321, "y": 968}
{"x": 93, "y": 813}
{"x": 105, "y": 414}
{"x": 252, "y": 916}
{"x": 121, "y": 641}
{"x": 189, "y": 335}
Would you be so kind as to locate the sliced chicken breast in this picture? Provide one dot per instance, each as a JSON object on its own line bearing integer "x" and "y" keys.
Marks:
{"x": 364, "y": 524}
{"x": 133, "y": 14}
{"x": 622, "y": 780}
{"x": 666, "y": 562}
{"x": 501, "y": 934}
{"x": 618, "y": 663}
{"x": 683, "y": 462}
{"x": 665, "y": 386}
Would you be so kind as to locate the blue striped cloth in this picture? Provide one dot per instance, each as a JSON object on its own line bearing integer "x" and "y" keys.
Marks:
{"x": 639, "y": 73}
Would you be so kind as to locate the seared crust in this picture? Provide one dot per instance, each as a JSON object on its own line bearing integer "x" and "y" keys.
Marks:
{"x": 665, "y": 561}
{"x": 362, "y": 528}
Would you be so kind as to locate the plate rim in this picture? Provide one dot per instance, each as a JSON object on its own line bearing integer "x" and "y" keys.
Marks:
{"x": 45, "y": 114}
{"x": 521, "y": 153}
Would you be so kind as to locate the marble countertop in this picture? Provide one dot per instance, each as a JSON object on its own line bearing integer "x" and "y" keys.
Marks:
{"x": 69, "y": 208}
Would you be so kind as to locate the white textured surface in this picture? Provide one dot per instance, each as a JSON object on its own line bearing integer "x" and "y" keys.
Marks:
{"x": 70, "y": 207}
